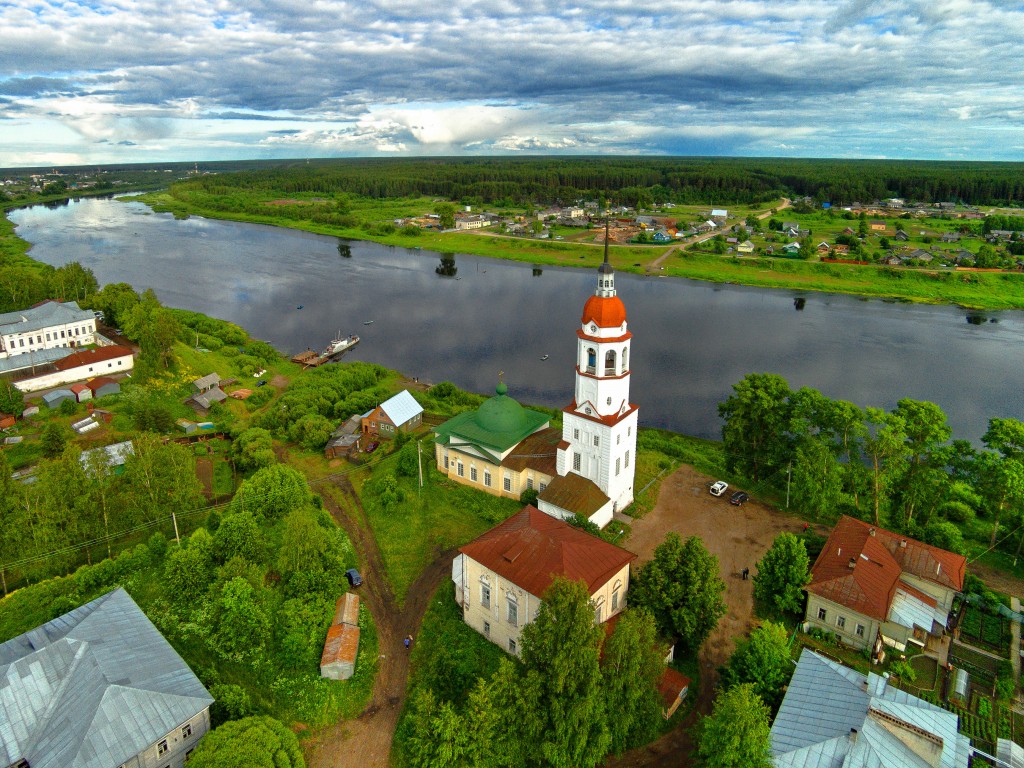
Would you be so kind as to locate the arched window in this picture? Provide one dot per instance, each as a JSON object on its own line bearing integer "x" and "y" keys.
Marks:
{"x": 615, "y": 596}
{"x": 599, "y": 610}
{"x": 591, "y": 360}
{"x": 609, "y": 363}
{"x": 625, "y": 359}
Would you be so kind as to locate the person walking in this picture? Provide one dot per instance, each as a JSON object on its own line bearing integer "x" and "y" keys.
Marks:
{"x": 408, "y": 642}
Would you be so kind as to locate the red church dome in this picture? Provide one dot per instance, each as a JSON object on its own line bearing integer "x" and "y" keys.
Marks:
{"x": 604, "y": 312}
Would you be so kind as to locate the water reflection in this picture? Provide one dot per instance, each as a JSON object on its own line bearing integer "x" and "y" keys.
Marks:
{"x": 344, "y": 250}
{"x": 447, "y": 266}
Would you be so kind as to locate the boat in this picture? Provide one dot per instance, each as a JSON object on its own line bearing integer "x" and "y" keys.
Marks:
{"x": 367, "y": 322}
{"x": 339, "y": 344}
{"x": 545, "y": 357}
{"x": 300, "y": 306}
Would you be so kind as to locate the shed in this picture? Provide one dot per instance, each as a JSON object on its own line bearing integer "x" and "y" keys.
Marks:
{"x": 32, "y": 410}
{"x": 209, "y": 381}
{"x": 82, "y": 392}
{"x": 346, "y": 610}
{"x": 104, "y": 385}
{"x": 57, "y": 396}
{"x": 673, "y": 687}
{"x": 338, "y": 661}
{"x": 188, "y": 427}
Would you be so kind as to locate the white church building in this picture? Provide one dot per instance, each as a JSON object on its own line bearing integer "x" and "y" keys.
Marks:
{"x": 587, "y": 469}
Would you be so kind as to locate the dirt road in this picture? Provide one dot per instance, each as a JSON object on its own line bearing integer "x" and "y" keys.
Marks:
{"x": 366, "y": 741}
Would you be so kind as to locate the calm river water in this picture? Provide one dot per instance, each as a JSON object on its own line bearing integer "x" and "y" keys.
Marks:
{"x": 692, "y": 341}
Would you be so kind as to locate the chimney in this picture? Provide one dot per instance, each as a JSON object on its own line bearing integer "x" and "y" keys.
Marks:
{"x": 853, "y": 562}
{"x": 853, "y": 735}
{"x": 871, "y": 531}
{"x": 903, "y": 543}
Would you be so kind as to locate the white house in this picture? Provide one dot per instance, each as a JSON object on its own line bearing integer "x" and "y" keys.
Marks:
{"x": 78, "y": 366}
{"x": 47, "y": 325}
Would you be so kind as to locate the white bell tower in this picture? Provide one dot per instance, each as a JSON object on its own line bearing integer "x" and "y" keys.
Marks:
{"x": 599, "y": 427}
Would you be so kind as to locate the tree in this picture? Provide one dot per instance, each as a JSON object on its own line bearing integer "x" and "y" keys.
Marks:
{"x": 253, "y": 449}
{"x": 736, "y": 733}
{"x": 817, "y": 480}
{"x": 944, "y": 535}
{"x": 561, "y": 648}
{"x": 1004, "y": 472}
{"x": 239, "y": 535}
{"x": 763, "y": 661}
{"x": 155, "y": 328}
{"x": 55, "y": 439}
{"x": 682, "y": 589}
{"x": 160, "y": 480}
{"x": 240, "y": 623}
{"x": 782, "y": 574}
{"x": 272, "y": 492}
{"x": 115, "y": 301}
{"x": 756, "y": 416}
{"x": 886, "y": 450}
{"x": 446, "y": 215}
{"x": 303, "y": 542}
{"x": 631, "y": 666}
{"x": 189, "y": 569}
{"x": 253, "y": 742}
{"x": 12, "y": 401}
{"x": 312, "y": 431}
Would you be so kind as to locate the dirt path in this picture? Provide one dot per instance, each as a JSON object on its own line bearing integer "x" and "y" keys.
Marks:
{"x": 366, "y": 741}
{"x": 739, "y": 537}
{"x": 204, "y": 471}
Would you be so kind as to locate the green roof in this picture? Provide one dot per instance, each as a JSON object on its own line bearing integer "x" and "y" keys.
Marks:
{"x": 499, "y": 424}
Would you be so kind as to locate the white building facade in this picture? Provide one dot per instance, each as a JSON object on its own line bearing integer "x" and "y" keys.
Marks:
{"x": 46, "y": 326}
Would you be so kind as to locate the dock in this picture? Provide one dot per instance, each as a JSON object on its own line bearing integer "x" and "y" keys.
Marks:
{"x": 310, "y": 359}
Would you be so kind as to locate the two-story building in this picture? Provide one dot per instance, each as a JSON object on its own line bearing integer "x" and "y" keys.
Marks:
{"x": 98, "y": 687}
{"x": 873, "y": 587}
{"x": 502, "y": 576}
{"x": 48, "y": 325}
{"x": 399, "y": 413}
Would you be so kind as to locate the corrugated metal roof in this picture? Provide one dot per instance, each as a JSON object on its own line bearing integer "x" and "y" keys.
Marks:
{"x": 401, "y": 408}
{"x": 44, "y": 315}
{"x": 92, "y": 688}
{"x": 574, "y": 493}
{"x": 834, "y": 717}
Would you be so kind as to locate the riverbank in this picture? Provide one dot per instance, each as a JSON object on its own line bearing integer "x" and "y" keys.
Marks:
{"x": 965, "y": 288}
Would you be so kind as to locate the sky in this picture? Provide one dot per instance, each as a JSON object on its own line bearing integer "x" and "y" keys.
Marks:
{"x": 115, "y": 81}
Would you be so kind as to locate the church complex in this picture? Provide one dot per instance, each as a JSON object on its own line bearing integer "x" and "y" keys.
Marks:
{"x": 586, "y": 467}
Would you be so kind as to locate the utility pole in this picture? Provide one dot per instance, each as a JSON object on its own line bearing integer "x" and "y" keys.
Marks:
{"x": 789, "y": 477}
{"x": 419, "y": 461}
{"x": 177, "y": 538}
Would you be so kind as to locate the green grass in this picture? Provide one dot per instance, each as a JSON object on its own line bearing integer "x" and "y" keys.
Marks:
{"x": 428, "y": 522}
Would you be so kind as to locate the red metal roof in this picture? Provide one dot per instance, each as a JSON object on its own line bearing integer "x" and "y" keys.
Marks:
{"x": 861, "y": 565}
{"x": 671, "y": 685}
{"x": 91, "y": 356}
{"x": 531, "y": 549}
{"x": 342, "y": 645}
{"x": 604, "y": 311}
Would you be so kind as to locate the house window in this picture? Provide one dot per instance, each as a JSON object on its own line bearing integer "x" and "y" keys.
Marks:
{"x": 446, "y": 461}
{"x": 617, "y": 468}
{"x": 575, "y": 462}
{"x": 542, "y": 487}
{"x": 591, "y": 360}
{"x": 62, "y": 334}
{"x": 609, "y": 363}
{"x": 459, "y": 470}
{"x": 472, "y": 474}
{"x": 615, "y": 596}
{"x": 39, "y": 339}
{"x": 597, "y": 441}
{"x": 485, "y": 596}
{"x": 47, "y": 337}
{"x": 511, "y": 645}
{"x": 21, "y": 342}
{"x": 841, "y": 622}
{"x": 161, "y": 747}
{"x": 487, "y": 478}
{"x": 599, "y": 611}
{"x": 186, "y": 731}
{"x": 627, "y": 458}
{"x": 821, "y": 614}
{"x": 513, "y": 610}
{"x": 529, "y": 483}
{"x": 860, "y": 630}
{"x": 629, "y": 431}
{"x": 487, "y": 628}
{"x": 618, "y": 439}
{"x": 508, "y": 483}
{"x": 575, "y": 434}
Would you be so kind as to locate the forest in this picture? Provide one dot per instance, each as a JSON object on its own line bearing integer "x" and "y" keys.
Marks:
{"x": 629, "y": 181}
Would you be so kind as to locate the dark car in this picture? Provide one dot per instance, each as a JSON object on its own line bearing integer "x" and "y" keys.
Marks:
{"x": 354, "y": 579}
{"x": 371, "y": 447}
{"x": 738, "y": 498}
{"x": 261, "y": 383}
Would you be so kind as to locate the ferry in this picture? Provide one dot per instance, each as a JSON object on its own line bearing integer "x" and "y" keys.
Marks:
{"x": 545, "y": 357}
{"x": 340, "y": 344}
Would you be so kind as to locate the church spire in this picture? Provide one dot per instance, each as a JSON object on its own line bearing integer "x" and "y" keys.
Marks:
{"x": 605, "y": 273}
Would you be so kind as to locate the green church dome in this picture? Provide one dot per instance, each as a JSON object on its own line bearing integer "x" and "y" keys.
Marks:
{"x": 501, "y": 413}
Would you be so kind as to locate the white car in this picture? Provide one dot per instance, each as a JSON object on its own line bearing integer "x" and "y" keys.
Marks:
{"x": 719, "y": 487}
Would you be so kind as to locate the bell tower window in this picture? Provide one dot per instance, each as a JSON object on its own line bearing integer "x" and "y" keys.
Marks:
{"x": 591, "y": 360}
{"x": 609, "y": 363}
{"x": 625, "y": 359}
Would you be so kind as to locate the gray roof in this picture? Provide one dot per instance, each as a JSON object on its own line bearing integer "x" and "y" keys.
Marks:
{"x": 37, "y": 357}
{"x": 207, "y": 381}
{"x": 116, "y": 453}
{"x": 46, "y": 315}
{"x": 835, "y": 717}
{"x": 92, "y": 688}
{"x": 401, "y": 408}
{"x": 209, "y": 397}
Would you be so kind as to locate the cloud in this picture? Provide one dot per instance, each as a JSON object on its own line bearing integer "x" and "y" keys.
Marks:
{"x": 729, "y": 76}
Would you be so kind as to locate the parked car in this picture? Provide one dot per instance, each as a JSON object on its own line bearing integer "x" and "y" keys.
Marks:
{"x": 371, "y": 447}
{"x": 738, "y": 498}
{"x": 261, "y": 383}
{"x": 354, "y": 579}
{"x": 719, "y": 487}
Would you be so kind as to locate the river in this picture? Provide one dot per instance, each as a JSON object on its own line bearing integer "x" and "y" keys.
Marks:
{"x": 691, "y": 340}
